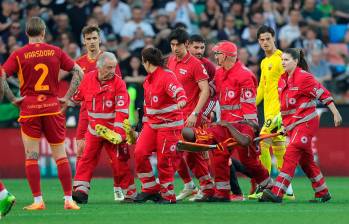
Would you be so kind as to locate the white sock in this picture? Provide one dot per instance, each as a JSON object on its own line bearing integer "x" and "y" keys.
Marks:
{"x": 68, "y": 198}
{"x": 38, "y": 199}
{"x": 117, "y": 189}
{"x": 289, "y": 190}
{"x": 189, "y": 185}
{"x": 3, "y": 194}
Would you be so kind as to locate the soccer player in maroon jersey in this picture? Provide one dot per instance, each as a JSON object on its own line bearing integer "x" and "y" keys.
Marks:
{"x": 192, "y": 74}
{"x": 41, "y": 112}
{"x": 91, "y": 40}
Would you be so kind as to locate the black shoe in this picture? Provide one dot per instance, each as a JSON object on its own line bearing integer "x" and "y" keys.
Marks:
{"x": 219, "y": 199}
{"x": 204, "y": 198}
{"x": 143, "y": 197}
{"x": 165, "y": 202}
{"x": 80, "y": 197}
{"x": 127, "y": 200}
{"x": 268, "y": 196}
{"x": 323, "y": 199}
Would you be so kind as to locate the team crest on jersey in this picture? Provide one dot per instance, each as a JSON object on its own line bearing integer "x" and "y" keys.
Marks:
{"x": 270, "y": 66}
{"x": 41, "y": 98}
{"x": 109, "y": 103}
{"x": 231, "y": 94}
{"x": 292, "y": 101}
{"x": 155, "y": 99}
{"x": 304, "y": 139}
{"x": 182, "y": 71}
{"x": 173, "y": 148}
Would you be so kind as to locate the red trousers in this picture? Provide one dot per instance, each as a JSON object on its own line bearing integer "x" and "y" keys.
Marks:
{"x": 118, "y": 155}
{"x": 247, "y": 155}
{"x": 163, "y": 143}
{"x": 299, "y": 151}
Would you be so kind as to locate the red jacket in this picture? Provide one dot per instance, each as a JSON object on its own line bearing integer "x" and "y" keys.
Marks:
{"x": 298, "y": 95}
{"x": 162, "y": 92}
{"x": 236, "y": 92}
{"x": 106, "y": 103}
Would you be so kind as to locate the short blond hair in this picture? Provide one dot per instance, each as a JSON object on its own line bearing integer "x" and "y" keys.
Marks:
{"x": 35, "y": 27}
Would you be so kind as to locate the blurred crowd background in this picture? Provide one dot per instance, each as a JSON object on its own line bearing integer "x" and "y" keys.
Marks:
{"x": 320, "y": 27}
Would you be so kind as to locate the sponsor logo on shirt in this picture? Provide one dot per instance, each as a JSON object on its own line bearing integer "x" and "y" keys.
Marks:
{"x": 182, "y": 71}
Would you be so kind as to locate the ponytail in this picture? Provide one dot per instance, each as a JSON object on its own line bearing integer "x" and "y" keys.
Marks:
{"x": 302, "y": 62}
{"x": 298, "y": 54}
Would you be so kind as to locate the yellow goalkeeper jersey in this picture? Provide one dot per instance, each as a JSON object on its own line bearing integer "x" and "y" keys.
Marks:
{"x": 271, "y": 70}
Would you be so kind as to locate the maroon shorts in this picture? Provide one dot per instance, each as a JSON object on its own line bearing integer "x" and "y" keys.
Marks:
{"x": 52, "y": 126}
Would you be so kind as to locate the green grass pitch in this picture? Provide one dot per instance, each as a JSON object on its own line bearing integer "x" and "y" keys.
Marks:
{"x": 102, "y": 209}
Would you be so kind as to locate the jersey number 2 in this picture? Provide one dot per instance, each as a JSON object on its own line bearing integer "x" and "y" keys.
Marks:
{"x": 39, "y": 86}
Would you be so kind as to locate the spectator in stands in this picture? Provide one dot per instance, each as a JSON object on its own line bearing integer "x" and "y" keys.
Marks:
{"x": 245, "y": 58}
{"x": 112, "y": 43}
{"x": 73, "y": 50}
{"x": 124, "y": 57}
{"x": 162, "y": 29}
{"x": 117, "y": 13}
{"x": 78, "y": 14}
{"x": 312, "y": 43}
{"x": 238, "y": 13}
{"x": 212, "y": 14}
{"x": 207, "y": 33}
{"x": 251, "y": 43}
{"x": 16, "y": 13}
{"x": 256, "y": 18}
{"x": 272, "y": 16}
{"x": 182, "y": 11}
{"x": 15, "y": 31}
{"x": 135, "y": 30}
{"x": 148, "y": 11}
{"x": 311, "y": 14}
{"x": 229, "y": 32}
{"x": 319, "y": 67}
{"x": 6, "y": 10}
{"x": 105, "y": 27}
{"x": 291, "y": 31}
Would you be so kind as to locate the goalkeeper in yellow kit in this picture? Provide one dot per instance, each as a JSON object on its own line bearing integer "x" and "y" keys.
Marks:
{"x": 271, "y": 70}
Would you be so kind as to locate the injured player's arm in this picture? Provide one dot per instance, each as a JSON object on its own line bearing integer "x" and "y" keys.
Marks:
{"x": 242, "y": 139}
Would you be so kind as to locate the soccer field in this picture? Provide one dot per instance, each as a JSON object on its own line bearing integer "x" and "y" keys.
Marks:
{"x": 102, "y": 209}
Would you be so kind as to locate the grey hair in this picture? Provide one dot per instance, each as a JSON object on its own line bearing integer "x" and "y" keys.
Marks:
{"x": 103, "y": 57}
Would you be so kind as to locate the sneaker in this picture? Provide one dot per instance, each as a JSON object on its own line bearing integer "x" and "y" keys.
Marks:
{"x": 6, "y": 204}
{"x": 108, "y": 134}
{"x": 197, "y": 196}
{"x": 237, "y": 197}
{"x": 219, "y": 199}
{"x": 71, "y": 205}
{"x": 165, "y": 202}
{"x": 289, "y": 197}
{"x": 322, "y": 199}
{"x": 257, "y": 194}
{"x": 144, "y": 197}
{"x": 130, "y": 134}
{"x": 118, "y": 195}
{"x": 268, "y": 196}
{"x": 186, "y": 192}
{"x": 35, "y": 206}
{"x": 80, "y": 197}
